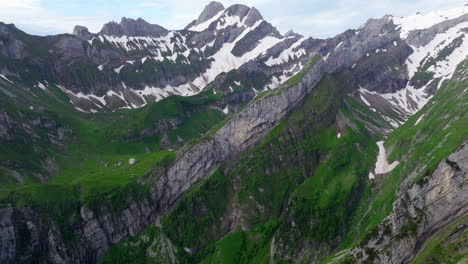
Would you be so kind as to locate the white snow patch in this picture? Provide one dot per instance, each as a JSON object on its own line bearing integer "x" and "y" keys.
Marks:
{"x": 403, "y": 99}
{"x": 89, "y": 97}
{"x": 392, "y": 122}
{"x": 227, "y": 21}
{"x": 206, "y": 24}
{"x": 419, "y": 119}
{"x": 363, "y": 92}
{"x": 286, "y": 54}
{"x": 410, "y": 100}
{"x": 117, "y": 70}
{"x": 365, "y": 101}
{"x": 339, "y": 135}
{"x": 423, "y": 21}
{"x": 41, "y": 85}
{"x": 81, "y": 110}
{"x": 382, "y": 166}
{"x": 255, "y": 91}
{"x": 371, "y": 176}
{"x": 226, "y": 110}
{"x": 225, "y": 61}
{"x": 4, "y": 77}
{"x": 338, "y": 46}
{"x": 432, "y": 49}
{"x": 119, "y": 95}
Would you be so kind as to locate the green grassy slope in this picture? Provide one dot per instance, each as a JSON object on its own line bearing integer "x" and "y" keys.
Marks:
{"x": 90, "y": 161}
{"x": 420, "y": 147}
{"x": 279, "y": 182}
{"x": 304, "y": 193}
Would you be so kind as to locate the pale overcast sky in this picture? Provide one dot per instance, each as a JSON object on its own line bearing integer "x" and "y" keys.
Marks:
{"x": 316, "y": 18}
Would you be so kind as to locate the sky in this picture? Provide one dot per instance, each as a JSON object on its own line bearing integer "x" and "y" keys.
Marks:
{"x": 315, "y": 18}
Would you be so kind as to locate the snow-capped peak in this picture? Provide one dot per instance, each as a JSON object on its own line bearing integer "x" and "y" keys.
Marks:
{"x": 235, "y": 15}
{"x": 423, "y": 21}
{"x": 204, "y": 25}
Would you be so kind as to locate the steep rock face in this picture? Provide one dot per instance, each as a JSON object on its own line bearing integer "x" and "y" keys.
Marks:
{"x": 21, "y": 230}
{"x": 132, "y": 27}
{"x": 371, "y": 71}
{"x": 99, "y": 231}
{"x": 6, "y": 124}
{"x": 9, "y": 45}
{"x": 246, "y": 128}
{"x": 250, "y": 40}
{"x": 212, "y": 9}
{"x": 11, "y": 128}
{"x": 82, "y": 33}
{"x": 239, "y": 134}
{"x": 24, "y": 233}
{"x": 421, "y": 211}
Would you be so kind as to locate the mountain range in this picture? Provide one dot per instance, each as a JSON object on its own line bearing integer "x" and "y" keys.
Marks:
{"x": 228, "y": 142}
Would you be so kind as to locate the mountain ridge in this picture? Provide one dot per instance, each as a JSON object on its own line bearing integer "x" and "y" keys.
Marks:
{"x": 119, "y": 46}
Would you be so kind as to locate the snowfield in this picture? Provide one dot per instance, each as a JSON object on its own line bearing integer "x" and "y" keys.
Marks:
{"x": 382, "y": 166}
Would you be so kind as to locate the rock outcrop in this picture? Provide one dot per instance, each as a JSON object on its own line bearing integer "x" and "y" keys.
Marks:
{"x": 82, "y": 33}
{"x": 134, "y": 28}
{"x": 210, "y": 11}
{"x": 422, "y": 210}
{"x": 24, "y": 233}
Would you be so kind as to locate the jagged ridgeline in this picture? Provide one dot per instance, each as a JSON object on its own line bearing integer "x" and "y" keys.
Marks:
{"x": 228, "y": 142}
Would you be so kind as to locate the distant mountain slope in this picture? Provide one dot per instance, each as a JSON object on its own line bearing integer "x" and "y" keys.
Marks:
{"x": 132, "y": 63}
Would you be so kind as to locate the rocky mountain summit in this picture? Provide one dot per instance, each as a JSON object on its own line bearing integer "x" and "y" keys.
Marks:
{"x": 132, "y": 63}
{"x": 228, "y": 142}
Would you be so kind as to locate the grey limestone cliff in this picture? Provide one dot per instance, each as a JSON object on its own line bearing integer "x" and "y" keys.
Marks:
{"x": 132, "y": 27}
{"x": 420, "y": 212}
